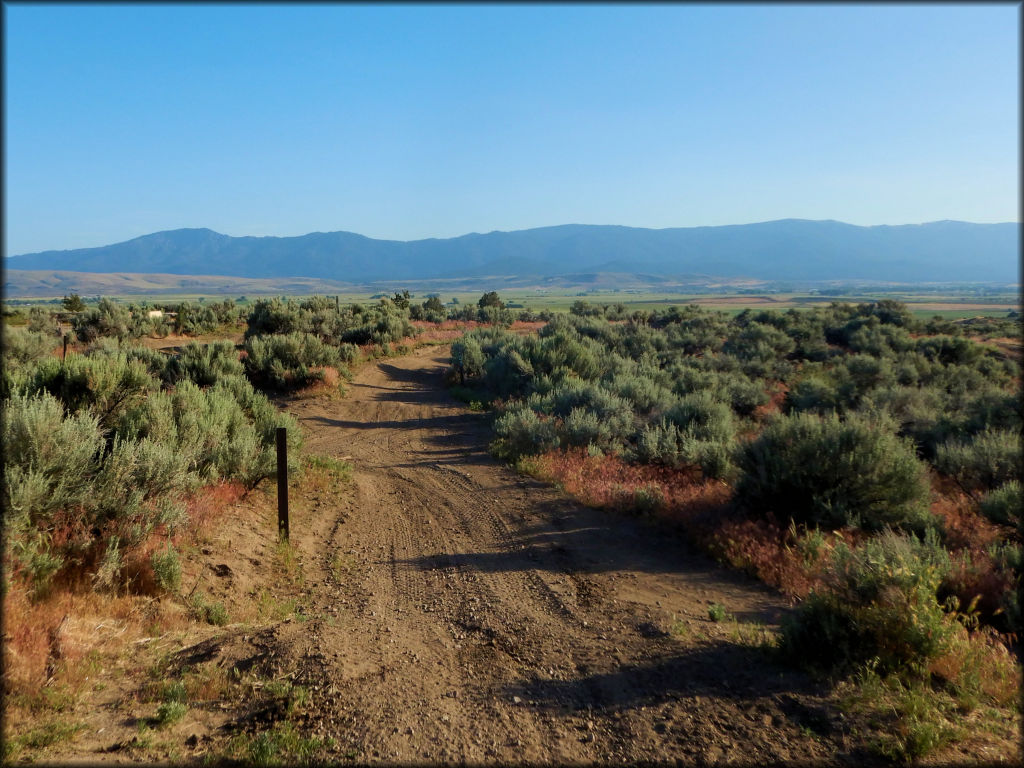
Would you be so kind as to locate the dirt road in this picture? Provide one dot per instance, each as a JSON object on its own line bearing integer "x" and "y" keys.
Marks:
{"x": 475, "y": 615}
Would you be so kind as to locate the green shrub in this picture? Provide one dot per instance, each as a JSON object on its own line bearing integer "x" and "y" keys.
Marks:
{"x": 985, "y": 461}
{"x": 40, "y": 321}
{"x": 170, "y": 712}
{"x": 758, "y": 341}
{"x": 992, "y": 408}
{"x": 714, "y": 458}
{"x": 50, "y": 459}
{"x": 167, "y": 569}
{"x": 348, "y": 353}
{"x": 156, "y": 362}
{"x": 614, "y": 413}
{"x": 920, "y": 412}
{"x": 275, "y": 316}
{"x": 193, "y": 319}
{"x": 108, "y": 319}
{"x": 211, "y": 613}
{"x": 154, "y": 418}
{"x": 880, "y": 340}
{"x": 718, "y": 613}
{"x": 816, "y": 393}
{"x": 829, "y": 473}
{"x": 506, "y": 371}
{"x": 1004, "y": 504}
{"x": 701, "y": 417}
{"x": 106, "y": 387}
{"x": 666, "y": 443}
{"x": 174, "y": 690}
{"x": 34, "y": 554}
{"x": 876, "y": 602}
{"x": 132, "y": 481}
{"x": 697, "y": 430}
{"x": 22, "y": 346}
{"x": 205, "y": 364}
{"x": 99, "y": 457}
{"x": 861, "y": 373}
{"x": 950, "y": 350}
{"x": 645, "y": 396}
{"x": 216, "y": 614}
{"x": 288, "y": 360}
{"x": 582, "y": 428}
{"x": 108, "y": 573}
{"x": 744, "y": 394}
{"x": 265, "y": 420}
{"x": 467, "y": 358}
{"x": 214, "y": 432}
{"x": 648, "y": 499}
{"x": 522, "y": 433}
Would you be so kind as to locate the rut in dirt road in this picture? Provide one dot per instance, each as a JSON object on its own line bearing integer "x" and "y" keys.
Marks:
{"x": 481, "y": 616}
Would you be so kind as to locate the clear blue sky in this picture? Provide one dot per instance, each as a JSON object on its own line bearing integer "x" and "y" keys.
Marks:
{"x": 404, "y": 122}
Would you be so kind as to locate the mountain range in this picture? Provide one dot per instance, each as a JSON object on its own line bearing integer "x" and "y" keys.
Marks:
{"x": 788, "y": 249}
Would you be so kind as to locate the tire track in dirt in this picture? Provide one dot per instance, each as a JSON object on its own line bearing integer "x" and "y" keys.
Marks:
{"x": 485, "y": 617}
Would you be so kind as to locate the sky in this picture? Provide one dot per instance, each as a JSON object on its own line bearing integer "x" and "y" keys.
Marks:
{"x": 404, "y": 122}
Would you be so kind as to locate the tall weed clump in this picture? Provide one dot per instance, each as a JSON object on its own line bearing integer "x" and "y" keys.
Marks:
{"x": 915, "y": 666}
{"x": 829, "y": 472}
{"x": 876, "y": 603}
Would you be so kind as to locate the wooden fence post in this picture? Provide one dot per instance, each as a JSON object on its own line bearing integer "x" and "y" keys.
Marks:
{"x": 282, "y": 483}
{"x": 65, "y": 357}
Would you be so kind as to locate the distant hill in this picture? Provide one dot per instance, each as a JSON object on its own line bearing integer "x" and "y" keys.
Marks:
{"x": 790, "y": 249}
{"x": 54, "y": 283}
{"x": 25, "y": 283}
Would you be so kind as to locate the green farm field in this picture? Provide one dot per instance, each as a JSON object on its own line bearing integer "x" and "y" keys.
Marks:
{"x": 924, "y": 304}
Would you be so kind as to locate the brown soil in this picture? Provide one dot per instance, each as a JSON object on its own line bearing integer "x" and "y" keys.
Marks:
{"x": 453, "y": 610}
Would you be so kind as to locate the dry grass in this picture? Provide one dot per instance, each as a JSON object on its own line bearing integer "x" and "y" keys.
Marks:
{"x": 771, "y": 553}
{"x": 46, "y": 639}
{"x": 206, "y": 506}
{"x": 47, "y": 645}
{"x": 328, "y": 386}
{"x": 783, "y": 558}
{"x": 965, "y": 527}
{"x": 609, "y": 482}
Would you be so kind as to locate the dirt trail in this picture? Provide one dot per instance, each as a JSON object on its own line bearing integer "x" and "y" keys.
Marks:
{"x": 477, "y": 615}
